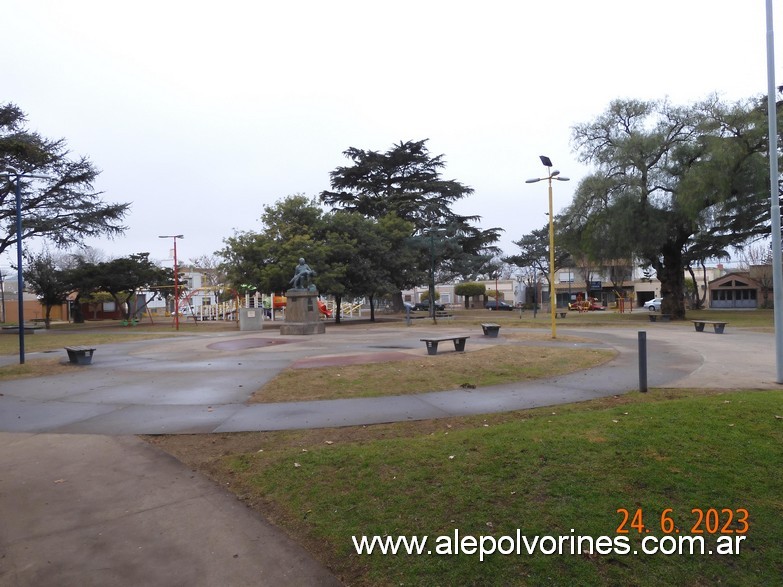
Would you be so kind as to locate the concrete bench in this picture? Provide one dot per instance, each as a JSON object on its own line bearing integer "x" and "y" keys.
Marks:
{"x": 80, "y": 355}
{"x": 663, "y": 317}
{"x": 432, "y": 343}
{"x": 491, "y": 329}
{"x": 27, "y": 329}
{"x": 717, "y": 326}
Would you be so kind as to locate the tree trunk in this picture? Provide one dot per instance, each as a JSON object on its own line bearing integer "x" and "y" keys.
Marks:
{"x": 696, "y": 301}
{"x": 372, "y": 308}
{"x": 338, "y": 302}
{"x": 123, "y": 307}
{"x": 397, "y": 304}
{"x": 76, "y": 311}
{"x": 671, "y": 274}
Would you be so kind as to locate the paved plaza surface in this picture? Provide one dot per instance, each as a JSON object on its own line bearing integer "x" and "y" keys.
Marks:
{"x": 200, "y": 383}
{"x": 84, "y": 502}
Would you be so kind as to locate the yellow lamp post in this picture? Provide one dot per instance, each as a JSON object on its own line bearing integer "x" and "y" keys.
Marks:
{"x": 551, "y": 174}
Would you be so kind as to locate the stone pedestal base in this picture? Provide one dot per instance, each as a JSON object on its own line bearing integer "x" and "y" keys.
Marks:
{"x": 301, "y": 313}
{"x": 251, "y": 319}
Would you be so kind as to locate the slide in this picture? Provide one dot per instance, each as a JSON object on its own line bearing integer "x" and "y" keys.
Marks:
{"x": 323, "y": 309}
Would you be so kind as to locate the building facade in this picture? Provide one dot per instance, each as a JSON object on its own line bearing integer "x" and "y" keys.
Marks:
{"x": 619, "y": 286}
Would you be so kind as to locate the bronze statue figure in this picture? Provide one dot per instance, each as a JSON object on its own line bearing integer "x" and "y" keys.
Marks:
{"x": 302, "y": 275}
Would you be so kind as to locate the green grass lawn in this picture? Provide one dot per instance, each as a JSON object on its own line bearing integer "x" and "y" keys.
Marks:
{"x": 105, "y": 332}
{"x": 561, "y": 471}
{"x": 756, "y": 319}
{"x": 475, "y": 369}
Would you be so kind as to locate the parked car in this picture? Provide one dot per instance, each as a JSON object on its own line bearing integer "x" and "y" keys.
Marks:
{"x": 425, "y": 305}
{"x": 654, "y": 305}
{"x": 498, "y": 305}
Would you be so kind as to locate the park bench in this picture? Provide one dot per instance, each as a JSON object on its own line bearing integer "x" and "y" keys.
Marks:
{"x": 663, "y": 317}
{"x": 443, "y": 314}
{"x": 80, "y": 355}
{"x": 432, "y": 343}
{"x": 491, "y": 329}
{"x": 562, "y": 314}
{"x": 717, "y": 326}
{"x": 27, "y": 329}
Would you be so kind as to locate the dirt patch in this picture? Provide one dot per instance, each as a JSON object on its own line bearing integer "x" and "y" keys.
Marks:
{"x": 37, "y": 368}
{"x": 245, "y": 343}
{"x": 363, "y": 359}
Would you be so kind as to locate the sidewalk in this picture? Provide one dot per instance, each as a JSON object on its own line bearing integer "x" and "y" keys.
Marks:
{"x": 89, "y": 510}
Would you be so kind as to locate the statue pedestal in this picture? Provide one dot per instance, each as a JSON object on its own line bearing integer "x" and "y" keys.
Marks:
{"x": 301, "y": 313}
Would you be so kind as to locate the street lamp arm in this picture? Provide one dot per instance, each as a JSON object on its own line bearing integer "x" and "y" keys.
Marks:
{"x": 551, "y": 174}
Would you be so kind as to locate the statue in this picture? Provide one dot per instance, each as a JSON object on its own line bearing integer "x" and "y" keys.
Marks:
{"x": 302, "y": 275}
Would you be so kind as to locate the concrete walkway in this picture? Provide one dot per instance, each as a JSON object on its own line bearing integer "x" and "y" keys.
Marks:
{"x": 84, "y": 503}
{"x": 199, "y": 384}
{"x": 90, "y": 510}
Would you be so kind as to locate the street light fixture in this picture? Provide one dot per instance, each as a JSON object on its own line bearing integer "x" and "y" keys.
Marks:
{"x": 176, "y": 278}
{"x": 18, "y": 175}
{"x": 551, "y": 174}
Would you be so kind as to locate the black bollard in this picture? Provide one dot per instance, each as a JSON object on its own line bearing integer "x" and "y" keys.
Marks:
{"x": 642, "y": 361}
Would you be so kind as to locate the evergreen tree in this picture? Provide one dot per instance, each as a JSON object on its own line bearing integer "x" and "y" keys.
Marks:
{"x": 60, "y": 205}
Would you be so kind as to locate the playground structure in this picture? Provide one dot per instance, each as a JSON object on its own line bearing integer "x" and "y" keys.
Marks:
{"x": 273, "y": 306}
{"x": 623, "y": 304}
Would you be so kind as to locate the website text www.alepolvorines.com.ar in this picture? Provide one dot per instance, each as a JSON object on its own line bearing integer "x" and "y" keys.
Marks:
{"x": 570, "y": 544}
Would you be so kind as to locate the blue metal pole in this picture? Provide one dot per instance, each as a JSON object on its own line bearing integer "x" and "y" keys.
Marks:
{"x": 20, "y": 277}
{"x": 432, "y": 274}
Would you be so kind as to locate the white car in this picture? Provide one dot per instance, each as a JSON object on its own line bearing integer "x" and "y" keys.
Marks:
{"x": 654, "y": 305}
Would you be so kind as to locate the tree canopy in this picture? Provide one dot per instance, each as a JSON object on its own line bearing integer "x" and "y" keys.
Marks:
{"x": 121, "y": 278}
{"x": 405, "y": 182}
{"x": 534, "y": 252}
{"x": 60, "y": 206}
{"x": 353, "y": 255}
{"x": 377, "y": 239}
{"x": 671, "y": 185}
{"x": 48, "y": 281}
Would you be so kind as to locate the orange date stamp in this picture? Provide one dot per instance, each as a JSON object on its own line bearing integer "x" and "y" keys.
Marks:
{"x": 699, "y": 521}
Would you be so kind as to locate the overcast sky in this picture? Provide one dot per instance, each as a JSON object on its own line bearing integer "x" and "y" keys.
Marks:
{"x": 200, "y": 113}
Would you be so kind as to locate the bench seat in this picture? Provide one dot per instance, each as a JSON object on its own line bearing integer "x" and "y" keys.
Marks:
{"x": 80, "y": 355}
{"x": 717, "y": 325}
{"x": 490, "y": 329}
{"x": 432, "y": 343}
{"x": 663, "y": 317}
